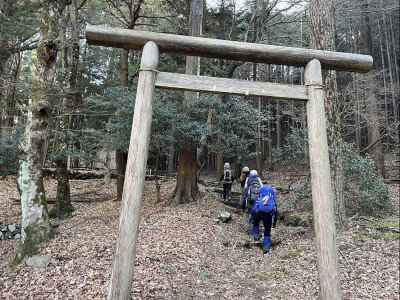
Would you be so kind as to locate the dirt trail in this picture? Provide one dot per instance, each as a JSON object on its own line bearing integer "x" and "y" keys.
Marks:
{"x": 184, "y": 253}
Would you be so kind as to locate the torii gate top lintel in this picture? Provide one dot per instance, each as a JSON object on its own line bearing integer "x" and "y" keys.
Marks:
{"x": 207, "y": 47}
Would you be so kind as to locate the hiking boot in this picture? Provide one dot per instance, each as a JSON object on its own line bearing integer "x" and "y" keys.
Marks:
{"x": 267, "y": 254}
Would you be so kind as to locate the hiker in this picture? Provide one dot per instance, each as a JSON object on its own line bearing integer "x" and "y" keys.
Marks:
{"x": 243, "y": 176}
{"x": 252, "y": 187}
{"x": 227, "y": 180}
{"x": 265, "y": 210}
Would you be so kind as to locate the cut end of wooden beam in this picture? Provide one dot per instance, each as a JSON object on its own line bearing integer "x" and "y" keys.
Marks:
{"x": 150, "y": 56}
{"x": 312, "y": 73}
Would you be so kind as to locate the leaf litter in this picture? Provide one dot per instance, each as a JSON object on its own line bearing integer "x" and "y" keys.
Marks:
{"x": 183, "y": 253}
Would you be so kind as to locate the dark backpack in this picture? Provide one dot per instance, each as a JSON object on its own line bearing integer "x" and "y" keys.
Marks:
{"x": 228, "y": 176}
{"x": 254, "y": 190}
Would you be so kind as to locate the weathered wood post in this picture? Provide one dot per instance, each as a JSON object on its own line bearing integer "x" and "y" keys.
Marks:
{"x": 322, "y": 197}
{"x": 122, "y": 272}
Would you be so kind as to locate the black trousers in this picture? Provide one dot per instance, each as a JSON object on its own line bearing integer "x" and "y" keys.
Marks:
{"x": 227, "y": 189}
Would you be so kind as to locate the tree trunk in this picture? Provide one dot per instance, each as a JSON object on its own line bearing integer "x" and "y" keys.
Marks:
{"x": 394, "y": 43}
{"x": 121, "y": 156}
{"x": 322, "y": 15}
{"x": 278, "y": 125}
{"x": 5, "y": 55}
{"x": 383, "y": 75}
{"x": 186, "y": 183}
{"x": 75, "y": 120}
{"x": 8, "y": 86}
{"x": 373, "y": 119}
{"x": 63, "y": 199}
{"x": 390, "y": 65}
{"x": 186, "y": 186}
{"x": 171, "y": 157}
{"x": 269, "y": 142}
{"x": 35, "y": 223}
{"x": 71, "y": 52}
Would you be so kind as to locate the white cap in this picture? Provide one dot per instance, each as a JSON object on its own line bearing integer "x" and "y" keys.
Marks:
{"x": 245, "y": 169}
{"x": 227, "y": 165}
{"x": 253, "y": 173}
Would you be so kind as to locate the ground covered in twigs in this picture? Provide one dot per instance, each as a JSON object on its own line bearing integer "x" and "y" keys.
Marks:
{"x": 184, "y": 253}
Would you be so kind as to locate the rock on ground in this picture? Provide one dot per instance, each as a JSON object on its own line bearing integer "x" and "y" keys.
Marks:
{"x": 37, "y": 261}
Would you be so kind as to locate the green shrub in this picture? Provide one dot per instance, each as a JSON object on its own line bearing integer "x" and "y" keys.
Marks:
{"x": 292, "y": 153}
{"x": 365, "y": 191}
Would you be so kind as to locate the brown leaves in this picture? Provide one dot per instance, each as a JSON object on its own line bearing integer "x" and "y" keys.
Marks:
{"x": 183, "y": 253}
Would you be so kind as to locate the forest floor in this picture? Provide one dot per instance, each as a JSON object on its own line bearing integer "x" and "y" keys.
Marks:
{"x": 183, "y": 253}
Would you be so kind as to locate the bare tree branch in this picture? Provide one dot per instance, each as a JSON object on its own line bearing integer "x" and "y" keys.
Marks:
{"x": 121, "y": 16}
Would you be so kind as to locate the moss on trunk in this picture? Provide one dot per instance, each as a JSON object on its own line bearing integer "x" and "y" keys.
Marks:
{"x": 36, "y": 228}
{"x": 36, "y": 235}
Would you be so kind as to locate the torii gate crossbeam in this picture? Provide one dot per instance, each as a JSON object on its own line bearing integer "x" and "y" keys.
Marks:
{"x": 149, "y": 78}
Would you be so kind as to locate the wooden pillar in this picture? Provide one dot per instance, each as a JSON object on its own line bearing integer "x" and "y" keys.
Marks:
{"x": 122, "y": 272}
{"x": 322, "y": 197}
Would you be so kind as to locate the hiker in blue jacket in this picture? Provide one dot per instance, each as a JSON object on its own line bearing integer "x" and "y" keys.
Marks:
{"x": 265, "y": 210}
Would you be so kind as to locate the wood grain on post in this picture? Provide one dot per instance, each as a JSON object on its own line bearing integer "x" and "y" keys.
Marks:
{"x": 122, "y": 272}
{"x": 230, "y": 86}
{"x": 322, "y": 196}
{"x": 198, "y": 46}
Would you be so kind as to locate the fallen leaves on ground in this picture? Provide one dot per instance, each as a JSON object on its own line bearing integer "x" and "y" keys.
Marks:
{"x": 183, "y": 253}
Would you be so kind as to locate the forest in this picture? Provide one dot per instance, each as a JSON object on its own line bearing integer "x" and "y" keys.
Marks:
{"x": 92, "y": 208}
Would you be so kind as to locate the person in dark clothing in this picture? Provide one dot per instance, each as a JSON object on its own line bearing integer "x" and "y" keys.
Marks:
{"x": 265, "y": 210}
{"x": 243, "y": 176}
{"x": 227, "y": 180}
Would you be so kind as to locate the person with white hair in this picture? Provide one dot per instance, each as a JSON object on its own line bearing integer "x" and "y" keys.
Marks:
{"x": 227, "y": 180}
{"x": 252, "y": 188}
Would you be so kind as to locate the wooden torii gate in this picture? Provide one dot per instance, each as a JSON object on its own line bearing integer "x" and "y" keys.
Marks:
{"x": 150, "y": 77}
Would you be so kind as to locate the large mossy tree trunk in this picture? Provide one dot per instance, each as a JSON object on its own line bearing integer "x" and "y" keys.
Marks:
{"x": 36, "y": 228}
{"x": 322, "y": 16}
{"x": 186, "y": 183}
